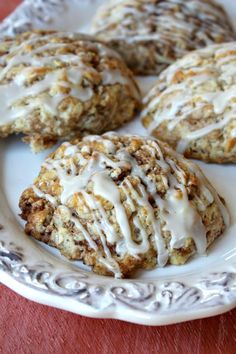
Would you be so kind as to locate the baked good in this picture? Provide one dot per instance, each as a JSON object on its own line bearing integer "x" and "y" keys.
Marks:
{"x": 193, "y": 105}
{"x": 56, "y": 85}
{"x": 122, "y": 202}
{"x": 151, "y": 34}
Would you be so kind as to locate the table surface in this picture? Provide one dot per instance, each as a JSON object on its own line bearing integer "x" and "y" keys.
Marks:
{"x": 27, "y": 327}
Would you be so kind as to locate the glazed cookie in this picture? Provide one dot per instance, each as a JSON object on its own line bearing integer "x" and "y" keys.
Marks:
{"x": 193, "y": 105}
{"x": 60, "y": 85}
{"x": 151, "y": 34}
{"x": 122, "y": 202}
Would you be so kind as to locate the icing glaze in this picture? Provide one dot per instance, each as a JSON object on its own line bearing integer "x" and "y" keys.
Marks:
{"x": 175, "y": 210}
{"x": 207, "y": 84}
{"x": 233, "y": 133}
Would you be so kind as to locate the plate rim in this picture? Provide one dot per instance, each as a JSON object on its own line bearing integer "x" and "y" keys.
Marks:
{"x": 144, "y": 302}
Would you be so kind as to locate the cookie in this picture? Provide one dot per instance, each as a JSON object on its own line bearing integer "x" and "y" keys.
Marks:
{"x": 120, "y": 203}
{"x": 193, "y": 105}
{"x": 151, "y": 34}
{"x": 57, "y": 85}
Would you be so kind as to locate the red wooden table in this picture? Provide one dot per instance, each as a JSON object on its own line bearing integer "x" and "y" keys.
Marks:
{"x": 27, "y": 327}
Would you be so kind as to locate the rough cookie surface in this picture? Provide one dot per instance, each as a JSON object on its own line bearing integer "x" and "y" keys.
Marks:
{"x": 193, "y": 105}
{"x": 60, "y": 85}
{"x": 151, "y": 34}
{"x": 120, "y": 203}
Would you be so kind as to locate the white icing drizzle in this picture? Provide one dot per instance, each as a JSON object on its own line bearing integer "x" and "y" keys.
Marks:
{"x": 233, "y": 133}
{"x": 46, "y": 196}
{"x": 211, "y": 84}
{"x": 185, "y": 23}
{"x": 101, "y": 225}
{"x": 16, "y": 96}
{"x": 105, "y": 187}
{"x": 64, "y": 210}
{"x": 209, "y": 192}
{"x": 176, "y": 214}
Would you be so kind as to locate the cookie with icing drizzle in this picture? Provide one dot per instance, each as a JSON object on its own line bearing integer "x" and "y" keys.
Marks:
{"x": 120, "y": 203}
{"x": 193, "y": 105}
{"x": 56, "y": 85}
{"x": 150, "y": 35}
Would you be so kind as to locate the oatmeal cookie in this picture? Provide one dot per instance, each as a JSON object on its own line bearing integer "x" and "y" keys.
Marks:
{"x": 120, "y": 203}
{"x": 193, "y": 105}
{"x": 151, "y": 34}
{"x": 57, "y": 85}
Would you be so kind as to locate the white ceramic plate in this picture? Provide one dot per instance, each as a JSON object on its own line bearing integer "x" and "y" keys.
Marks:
{"x": 205, "y": 286}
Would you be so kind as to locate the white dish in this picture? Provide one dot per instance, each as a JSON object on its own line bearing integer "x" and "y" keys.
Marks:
{"x": 205, "y": 286}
